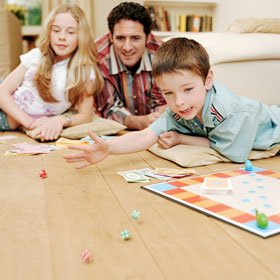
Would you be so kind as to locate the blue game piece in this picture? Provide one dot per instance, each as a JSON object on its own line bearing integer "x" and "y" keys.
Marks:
{"x": 248, "y": 165}
{"x": 135, "y": 214}
{"x": 125, "y": 234}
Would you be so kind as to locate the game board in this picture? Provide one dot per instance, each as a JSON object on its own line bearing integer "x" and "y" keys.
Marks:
{"x": 259, "y": 188}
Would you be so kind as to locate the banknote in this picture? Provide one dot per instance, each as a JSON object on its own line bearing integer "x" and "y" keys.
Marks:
{"x": 174, "y": 172}
{"x": 149, "y": 173}
{"x": 132, "y": 176}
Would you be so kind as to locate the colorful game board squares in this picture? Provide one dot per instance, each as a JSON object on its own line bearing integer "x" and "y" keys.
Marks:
{"x": 266, "y": 172}
{"x": 222, "y": 175}
{"x": 184, "y": 195}
{"x": 174, "y": 191}
{"x": 193, "y": 181}
{"x": 244, "y": 218}
{"x": 270, "y": 228}
{"x": 163, "y": 187}
{"x": 178, "y": 183}
{"x": 206, "y": 203}
{"x": 275, "y": 175}
{"x": 231, "y": 213}
{"x": 194, "y": 199}
{"x": 217, "y": 208}
{"x": 275, "y": 218}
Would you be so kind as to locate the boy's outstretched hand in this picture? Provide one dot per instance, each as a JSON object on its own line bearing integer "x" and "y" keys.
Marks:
{"x": 89, "y": 154}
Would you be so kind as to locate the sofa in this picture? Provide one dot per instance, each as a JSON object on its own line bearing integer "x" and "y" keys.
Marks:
{"x": 247, "y": 63}
{"x": 10, "y": 42}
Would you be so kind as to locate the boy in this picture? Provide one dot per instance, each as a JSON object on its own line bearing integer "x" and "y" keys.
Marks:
{"x": 200, "y": 112}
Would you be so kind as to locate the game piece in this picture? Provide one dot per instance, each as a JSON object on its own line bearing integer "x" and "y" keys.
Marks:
{"x": 256, "y": 189}
{"x": 248, "y": 165}
{"x": 216, "y": 185}
{"x": 262, "y": 220}
{"x": 135, "y": 214}
{"x": 86, "y": 256}
{"x": 43, "y": 174}
{"x": 125, "y": 234}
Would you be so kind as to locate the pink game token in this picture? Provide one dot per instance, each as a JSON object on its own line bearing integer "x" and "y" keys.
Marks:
{"x": 86, "y": 256}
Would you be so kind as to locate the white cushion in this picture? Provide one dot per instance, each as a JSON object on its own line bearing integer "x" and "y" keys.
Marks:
{"x": 232, "y": 47}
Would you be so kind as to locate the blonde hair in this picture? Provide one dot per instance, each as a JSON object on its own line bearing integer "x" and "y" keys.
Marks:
{"x": 83, "y": 60}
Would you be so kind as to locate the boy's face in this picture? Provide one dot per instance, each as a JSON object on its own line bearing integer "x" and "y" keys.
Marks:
{"x": 129, "y": 41}
{"x": 185, "y": 92}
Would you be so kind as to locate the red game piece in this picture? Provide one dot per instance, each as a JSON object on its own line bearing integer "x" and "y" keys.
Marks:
{"x": 43, "y": 174}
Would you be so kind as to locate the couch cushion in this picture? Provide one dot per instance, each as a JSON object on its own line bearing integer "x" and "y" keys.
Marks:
{"x": 191, "y": 156}
{"x": 253, "y": 25}
{"x": 99, "y": 126}
{"x": 233, "y": 47}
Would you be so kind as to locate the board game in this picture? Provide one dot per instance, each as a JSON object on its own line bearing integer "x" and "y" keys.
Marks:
{"x": 251, "y": 190}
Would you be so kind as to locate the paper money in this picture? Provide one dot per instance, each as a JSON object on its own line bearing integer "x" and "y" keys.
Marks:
{"x": 174, "y": 173}
{"x": 149, "y": 172}
{"x": 132, "y": 176}
{"x": 25, "y": 148}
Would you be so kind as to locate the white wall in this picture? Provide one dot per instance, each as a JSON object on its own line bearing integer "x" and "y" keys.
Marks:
{"x": 101, "y": 10}
{"x": 229, "y": 10}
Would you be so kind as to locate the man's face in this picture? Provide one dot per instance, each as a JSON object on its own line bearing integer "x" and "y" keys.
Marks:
{"x": 129, "y": 41}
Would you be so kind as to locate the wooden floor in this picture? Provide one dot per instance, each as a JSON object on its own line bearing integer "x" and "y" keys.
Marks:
{"x": 46, "y": 224}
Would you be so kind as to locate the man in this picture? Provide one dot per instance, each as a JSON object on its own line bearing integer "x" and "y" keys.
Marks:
{"x": 130, "y": 95}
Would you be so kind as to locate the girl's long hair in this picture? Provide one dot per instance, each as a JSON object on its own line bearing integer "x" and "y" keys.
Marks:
{"x": 81, "y": 63}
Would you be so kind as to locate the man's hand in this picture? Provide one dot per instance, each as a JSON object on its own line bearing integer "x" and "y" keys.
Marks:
{"x": 140, "y": 122}
{"x": 169, "y": 139}
{"x": 89, "y": 154}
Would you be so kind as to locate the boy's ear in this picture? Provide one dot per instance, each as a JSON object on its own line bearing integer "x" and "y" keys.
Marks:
{"x": 209, "y": 80}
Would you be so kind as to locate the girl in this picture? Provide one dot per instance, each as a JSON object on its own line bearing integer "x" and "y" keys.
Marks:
{"x": 59, "y": 74}
{"x": 200, "y": 112}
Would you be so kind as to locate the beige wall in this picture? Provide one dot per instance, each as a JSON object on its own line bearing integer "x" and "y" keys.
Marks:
{"x": 226, "y": 12}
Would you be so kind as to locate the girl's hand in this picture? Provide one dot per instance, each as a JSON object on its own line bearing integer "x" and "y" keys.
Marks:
{"x": 50, "y": 127}
{"x": 169, "y": 139}
{"x": 37, "y": 122}
{"x": 89, "y": 153}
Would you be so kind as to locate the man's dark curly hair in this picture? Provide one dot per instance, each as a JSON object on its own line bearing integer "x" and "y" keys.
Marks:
{"x": 131, "y": 11}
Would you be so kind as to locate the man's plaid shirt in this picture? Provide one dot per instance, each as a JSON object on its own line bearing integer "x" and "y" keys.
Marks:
{"x": 124, "y": 94}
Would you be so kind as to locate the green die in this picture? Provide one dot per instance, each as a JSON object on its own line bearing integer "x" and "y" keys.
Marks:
{"x": 125, "y": 234}
{"x": 135, "y": 214}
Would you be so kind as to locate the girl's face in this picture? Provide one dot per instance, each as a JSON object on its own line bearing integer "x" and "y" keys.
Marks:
{"x": 185, "y": 92}
{"x": 64, "y": 36}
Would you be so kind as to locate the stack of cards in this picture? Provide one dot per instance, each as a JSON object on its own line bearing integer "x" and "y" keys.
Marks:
{"x": 216, "y": 185}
